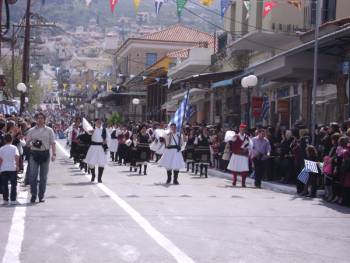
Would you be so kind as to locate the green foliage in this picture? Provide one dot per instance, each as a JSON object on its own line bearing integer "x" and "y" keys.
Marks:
{"x": 10, "y": 89}
{"x": 115, "y": 119}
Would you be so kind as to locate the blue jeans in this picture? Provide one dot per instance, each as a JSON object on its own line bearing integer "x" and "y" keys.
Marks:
{"x": 35, "y": 169}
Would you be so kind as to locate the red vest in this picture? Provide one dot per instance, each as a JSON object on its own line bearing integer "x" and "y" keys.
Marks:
{"x": 236, "y": 145}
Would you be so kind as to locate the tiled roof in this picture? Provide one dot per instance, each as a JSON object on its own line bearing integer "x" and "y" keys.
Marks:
{"x": 181, "y": 53}
{"x": 181, "y": 33}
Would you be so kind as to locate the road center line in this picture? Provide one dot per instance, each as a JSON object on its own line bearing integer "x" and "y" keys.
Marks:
{"x": 16, "y": 233}
{"x": 164, "y": 242}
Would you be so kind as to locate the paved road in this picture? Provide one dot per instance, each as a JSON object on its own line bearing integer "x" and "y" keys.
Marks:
{"x": 132, "y": 218}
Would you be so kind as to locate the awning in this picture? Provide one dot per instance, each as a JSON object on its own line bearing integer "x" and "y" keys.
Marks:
{"x": 191, "y": 92}
{"x": 222, "y": 83}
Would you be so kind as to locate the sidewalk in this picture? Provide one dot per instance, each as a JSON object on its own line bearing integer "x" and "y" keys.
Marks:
{"x": 273, "y": 186}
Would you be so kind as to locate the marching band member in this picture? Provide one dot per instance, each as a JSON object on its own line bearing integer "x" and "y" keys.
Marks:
{"x": 172, "y": 159}
{"x": 239, "y": 162}
{"x": 143, "y": 148}
{"x": 97, "y": 154}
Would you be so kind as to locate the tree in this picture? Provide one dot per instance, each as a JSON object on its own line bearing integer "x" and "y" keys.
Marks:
{"x": 115, "y": 119}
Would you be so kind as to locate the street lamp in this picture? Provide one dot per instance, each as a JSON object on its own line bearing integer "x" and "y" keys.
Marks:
{"x": 135, "y": 102}
{"x": 22, "y": 88}
{"x": 248, "y": 83}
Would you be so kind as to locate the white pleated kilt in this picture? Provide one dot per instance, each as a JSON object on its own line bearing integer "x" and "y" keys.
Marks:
{"x": 96, "y": 156}
{"x": 172, "y": 159}
{"x": 238, "y": 163}
{"x": 113, "y": 146}
{"x": 160, "y": 149}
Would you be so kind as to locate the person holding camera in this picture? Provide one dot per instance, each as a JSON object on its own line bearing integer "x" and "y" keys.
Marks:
{"x": 40, "y": 138}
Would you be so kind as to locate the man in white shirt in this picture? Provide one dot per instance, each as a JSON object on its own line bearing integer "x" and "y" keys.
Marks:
{"x": 9, "y": 166}
{"x": 40, "y": 139}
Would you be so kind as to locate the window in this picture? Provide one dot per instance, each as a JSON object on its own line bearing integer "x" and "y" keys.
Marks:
{"x": 151, "y": 58}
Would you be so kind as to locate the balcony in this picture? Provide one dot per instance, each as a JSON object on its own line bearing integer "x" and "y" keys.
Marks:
{"x": 199, "y": 60}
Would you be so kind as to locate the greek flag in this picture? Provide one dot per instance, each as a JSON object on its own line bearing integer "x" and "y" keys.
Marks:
{"x": 311, "y": 166}
{"x": 304, "y": 175}
{"x": 265, "y": 107}
{"x": 6, "y": 109}
{"x": 190, "y": 112}
{"x": 180, "y": 114}
{"x": 224, "y": 5}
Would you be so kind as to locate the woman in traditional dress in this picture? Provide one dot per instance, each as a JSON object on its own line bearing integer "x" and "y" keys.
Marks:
{"x": 172, "y": 159}
{"x": 143, "y": 149}
{"x": 113, "y": 147}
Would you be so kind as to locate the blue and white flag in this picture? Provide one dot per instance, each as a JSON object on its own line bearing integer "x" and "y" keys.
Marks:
{"x": 8, "y": 110}
{"x": 190, "y": 112}
{"x": 265, "y": 107}
{"x": 223, "y": 7}
{"x": 180, "y": 114}
{"x": 304, "y": 176}
{"x": 311, "y": 166}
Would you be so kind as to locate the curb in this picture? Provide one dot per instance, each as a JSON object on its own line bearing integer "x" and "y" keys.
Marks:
{"x": 276, "y": 187}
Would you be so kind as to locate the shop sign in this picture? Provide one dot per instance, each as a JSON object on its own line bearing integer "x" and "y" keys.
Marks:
{"x": 283, "y": 106}
{"x": 257, "y": 103}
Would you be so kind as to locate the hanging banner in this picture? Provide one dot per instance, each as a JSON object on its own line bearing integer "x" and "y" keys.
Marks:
{"x": 247, "y": 7}
{"x": 268, "y": 6}
{"x": 158, "y": 4}
{"x": 88, "y": 2}
{"x": 257, "y": 103}
{"x": 180, "y": 6}
{"x": 170, "y": 80}
{"x": 224, "y": 5}
{"x": 296, "y": 3}
{"x": 207, "y": 2}
{"x": 136, "y": 5}
{"x": 112, "y": 4}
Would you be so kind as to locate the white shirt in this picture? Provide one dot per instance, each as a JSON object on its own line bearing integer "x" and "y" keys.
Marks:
{"x": 97, "y": 135}
{"x": 8, "y": 155}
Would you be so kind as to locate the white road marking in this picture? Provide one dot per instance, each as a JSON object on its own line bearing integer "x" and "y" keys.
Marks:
{"x": 16, "y": 234}
{"x": 164, "y": 242}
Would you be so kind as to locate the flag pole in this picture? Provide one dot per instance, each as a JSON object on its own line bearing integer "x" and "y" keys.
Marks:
{"x": 186, "y": 103}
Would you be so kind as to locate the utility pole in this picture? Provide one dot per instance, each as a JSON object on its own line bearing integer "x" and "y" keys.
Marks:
{"x": 319, "y": 5}
{"x": 13, "y": 42}
{"x": 1, "y": 2}
{"x": 26, "y": 50}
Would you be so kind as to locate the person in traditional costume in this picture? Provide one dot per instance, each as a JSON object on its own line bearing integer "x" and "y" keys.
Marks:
{"x": 202, "y": 151}
{"x": 143, "y": 149}
{"x": 240, "y": 146}
{"x": 76, "y": 131}
{"x": 123, "y": 136}
{"x": 97, "y": 154}
{"x": 189, "y": 149}
{"x": 113, "y": 147}
{"x": 172, "y": 159}
{"x": 83, "y": 147}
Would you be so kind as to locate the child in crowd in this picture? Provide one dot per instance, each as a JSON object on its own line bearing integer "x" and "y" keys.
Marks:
{"x": 9, "y": 166}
